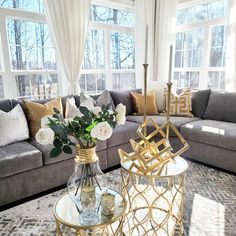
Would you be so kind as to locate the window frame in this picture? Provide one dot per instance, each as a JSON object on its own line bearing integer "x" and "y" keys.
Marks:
{"x": 108, "y": 29}
{"x": 207, "y": 26}
{"x": 7, "y": 73}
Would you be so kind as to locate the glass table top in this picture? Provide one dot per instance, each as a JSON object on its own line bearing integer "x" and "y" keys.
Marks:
{"x": 174, "y": 167}
{"x": 66, "y": 212}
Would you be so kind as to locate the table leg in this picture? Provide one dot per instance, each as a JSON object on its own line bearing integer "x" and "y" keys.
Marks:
{"x": 58, "y": 230}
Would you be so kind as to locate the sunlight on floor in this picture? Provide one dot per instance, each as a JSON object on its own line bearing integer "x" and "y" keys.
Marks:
{"x": 207, "y": 218}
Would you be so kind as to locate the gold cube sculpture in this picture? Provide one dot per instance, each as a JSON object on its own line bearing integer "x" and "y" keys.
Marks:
{"x": 154, "y": 150}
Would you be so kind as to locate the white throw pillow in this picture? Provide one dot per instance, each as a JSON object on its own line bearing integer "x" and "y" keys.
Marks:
{"x": 13, "y": 126}
{"x": 71, "y": 109}
{"x": 159, "y": 87}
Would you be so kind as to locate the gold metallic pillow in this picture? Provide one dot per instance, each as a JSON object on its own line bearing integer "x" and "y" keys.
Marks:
{"x": 138, "y": 102}
{"x": 180, "y": 105}
{"x": 35, "y": 111}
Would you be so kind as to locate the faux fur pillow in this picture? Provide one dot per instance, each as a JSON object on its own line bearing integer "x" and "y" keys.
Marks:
{"x": 13, "y": 126}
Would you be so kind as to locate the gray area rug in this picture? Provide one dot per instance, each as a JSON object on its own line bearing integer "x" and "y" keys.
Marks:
{"x": 210, "y": 206}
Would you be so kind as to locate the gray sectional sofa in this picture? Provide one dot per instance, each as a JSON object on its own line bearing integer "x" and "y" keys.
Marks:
{"x": 26, "y": 169}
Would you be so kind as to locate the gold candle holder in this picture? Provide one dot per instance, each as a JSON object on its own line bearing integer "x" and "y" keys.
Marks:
{"x": 169, "y": 85}
{"x": 145, "y": 95}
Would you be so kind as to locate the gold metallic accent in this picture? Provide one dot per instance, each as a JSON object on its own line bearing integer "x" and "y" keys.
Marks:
{"x": 110, "y": 225}
{"x": 155, "y": 202}
{"x": 153, "y": 151}
{"x": 85, "y": 155}
{"x": 145, "y": 94}
{"x": 169, "y": 85}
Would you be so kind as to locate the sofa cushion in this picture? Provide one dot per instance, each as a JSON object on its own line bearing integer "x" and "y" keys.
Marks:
{"x": 212, "y": 132}
{"x": 177, "y": 121}
{"x": 5, "y": 105}
{"x": 19, "y": 157}
{"x": 123, "y": 133}
{"x": 199, "y": 102}
{"x": 221, "y": 106}
{"x": 46, "y": 149}
{"x": 124, "y": 98}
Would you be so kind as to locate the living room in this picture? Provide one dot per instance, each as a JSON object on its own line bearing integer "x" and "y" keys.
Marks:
{"x": 118, "y": 117}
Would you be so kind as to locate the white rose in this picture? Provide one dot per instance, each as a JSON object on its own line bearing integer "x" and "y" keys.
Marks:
{"x": 45, "y": 136}
{"x": 96, "y": 110}
{"x": 120, "y": 117}
{"x": 45, "y": 121}
{"x": 101, "y": 131}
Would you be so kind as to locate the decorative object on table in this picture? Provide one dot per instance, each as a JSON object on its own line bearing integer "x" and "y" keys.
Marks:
{"x": 180, "y": 104}
{"x": 66, "y": 214}
{"x": 154, "y": 150}
{"x": 153, "y": 175}
{"x": 95, "y": 123}
{"x": 107, "y": 204}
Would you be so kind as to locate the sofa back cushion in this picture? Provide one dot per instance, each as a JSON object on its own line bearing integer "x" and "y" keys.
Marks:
{"x": 124, "y": 98}
{"x": 221, "y": 106}
{"x": 5, "y": 105}
{"x": 199, "y": 102}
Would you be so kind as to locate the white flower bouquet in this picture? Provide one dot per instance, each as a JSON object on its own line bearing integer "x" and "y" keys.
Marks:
{"x": 95, "y": 123}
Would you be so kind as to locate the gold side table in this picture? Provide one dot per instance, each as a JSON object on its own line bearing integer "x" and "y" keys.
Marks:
{"x": 67, "y": 217}
{"x": 155, "y": 202}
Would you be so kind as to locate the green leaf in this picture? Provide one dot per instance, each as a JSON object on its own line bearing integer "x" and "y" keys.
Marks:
{"x": 55, "y": 152}
{"x": 57, "y": 143}
{"x": 67, "y": 149}
{"x": 90, "y": 127}
{"x": 85, "y": 111}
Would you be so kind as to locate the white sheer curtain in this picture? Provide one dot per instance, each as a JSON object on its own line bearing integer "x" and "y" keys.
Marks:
{"x": 68, "y": 21}
{"x": 160, "y": 17}
{"x": 231, "y": 48}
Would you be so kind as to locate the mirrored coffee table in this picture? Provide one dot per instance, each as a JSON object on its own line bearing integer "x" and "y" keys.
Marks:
{"x": 67, "y": 218}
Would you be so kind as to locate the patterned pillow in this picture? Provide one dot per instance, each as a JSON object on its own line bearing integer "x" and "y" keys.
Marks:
{"x": 180, "y": 105}
{"x": 13, "y": 126}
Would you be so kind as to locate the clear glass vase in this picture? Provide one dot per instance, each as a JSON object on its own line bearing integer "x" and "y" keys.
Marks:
{"x": 84, "y": 186}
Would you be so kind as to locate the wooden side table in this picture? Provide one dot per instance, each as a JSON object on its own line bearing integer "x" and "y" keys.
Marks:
{"x": 155, "y": 202}
{"x": 67, "y": 216}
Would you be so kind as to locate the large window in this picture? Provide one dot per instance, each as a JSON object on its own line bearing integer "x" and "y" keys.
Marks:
{"x": 109, "y": 51}
{"x": 28, "y": 65}
{"x": 201, "y": 45}
{"x": 30, "y": 69}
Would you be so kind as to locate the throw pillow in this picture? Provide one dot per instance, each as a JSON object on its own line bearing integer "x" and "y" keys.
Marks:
{"x": 159, "y": 87}
{"x": 103, "y": 99}
{"x": 71, "y": 109}
{"x": 13, "y": 126}
{"x": 124, "y": 97}
{"x": 180, "y": 105}
{"x": 138, "y": 103}
{"x": 36, "y": 111}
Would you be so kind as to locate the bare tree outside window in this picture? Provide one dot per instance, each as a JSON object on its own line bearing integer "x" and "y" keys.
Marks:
{"x": 31, "y": 49}
{"x": 121, "y": 49}
{"x": 200, "y": 50}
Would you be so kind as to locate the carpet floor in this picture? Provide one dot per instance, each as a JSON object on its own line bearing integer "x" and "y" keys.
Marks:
{"x": 210, "y": 206}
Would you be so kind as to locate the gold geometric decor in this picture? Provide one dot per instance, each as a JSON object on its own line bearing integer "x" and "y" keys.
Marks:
{"x": 154, "y": 150}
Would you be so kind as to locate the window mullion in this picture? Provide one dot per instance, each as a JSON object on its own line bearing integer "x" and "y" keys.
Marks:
{"x": 108, "y": 60}
{"x": 9, "y": 83}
